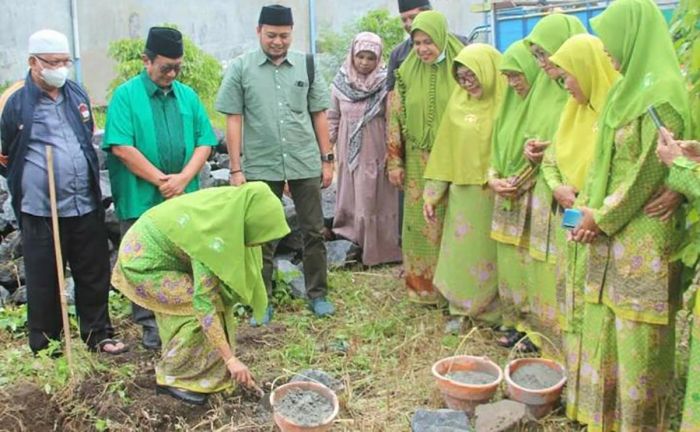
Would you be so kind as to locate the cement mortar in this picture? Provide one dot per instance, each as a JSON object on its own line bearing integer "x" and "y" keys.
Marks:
{"x": 472, "y": 377}
{"x": 536, "y": 376}
{"x": 304, "y": 407}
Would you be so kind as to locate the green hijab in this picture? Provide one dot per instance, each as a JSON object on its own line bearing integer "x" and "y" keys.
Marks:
{"x": 222, "y": 228}
{"x": 548, "y": 97}
{"x": 426, "y": 88}
{"x": 635, "y": 33}
{"x": 507, "y": 156}
{"x": 553, "y": 30}
{"x": 462, "y": 147}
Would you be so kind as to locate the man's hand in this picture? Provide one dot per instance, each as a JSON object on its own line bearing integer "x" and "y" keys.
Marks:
{"x": 503, "y": 188}
{"x": 173, "y": 185}
{"x": 237, "y": 179}
{"x": 565, "y": 196}
{"x": 327, "y": 174}
{"x": 663, "y": 204}
{"x": 396, "y": 177}
{"x": 534, "y": 150}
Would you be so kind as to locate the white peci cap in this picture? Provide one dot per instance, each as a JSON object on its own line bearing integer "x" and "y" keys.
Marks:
{"x": 48, "y": 42}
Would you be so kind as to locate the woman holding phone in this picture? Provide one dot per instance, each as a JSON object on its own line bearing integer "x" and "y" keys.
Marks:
{"x": 630, "y": 272}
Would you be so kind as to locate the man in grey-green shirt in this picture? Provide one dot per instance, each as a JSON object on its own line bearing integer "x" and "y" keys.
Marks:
{"x": 285, "y": 138}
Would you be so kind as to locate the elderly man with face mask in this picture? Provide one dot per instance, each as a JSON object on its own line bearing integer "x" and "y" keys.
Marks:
{"x": 286, "y": 137}
{"x": 158, "y": 137}
{"x": 50, "y": 110}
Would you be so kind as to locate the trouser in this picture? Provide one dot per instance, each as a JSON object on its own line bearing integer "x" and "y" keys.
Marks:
{"x": 84, "y": 247}
{"x": 139, "y": 314}
{"x": 306, "y": 194}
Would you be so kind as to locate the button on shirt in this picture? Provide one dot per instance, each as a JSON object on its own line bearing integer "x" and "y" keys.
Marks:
{"x": 167, "y": 121}
{"x": 279, "y": 142}
{"x": 71, "y": 170}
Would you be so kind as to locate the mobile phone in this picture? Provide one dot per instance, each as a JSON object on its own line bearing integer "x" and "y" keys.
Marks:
{"x": 655, "y": 117}
{"x": 571, "y": 218}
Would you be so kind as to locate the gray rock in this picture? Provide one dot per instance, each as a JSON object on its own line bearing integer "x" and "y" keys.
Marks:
{"x": 319, "y": 376}
{"x": 70, "y": 290}
{"x": 221, "y": 161}
{"x": 4, "y": 296}
{"x": 502, "y": 416}
{"x": 443, "y": 420}
{"x": 112, "y": 223}
{"x": 454, "y": 326}
{"x": 220, "y": 177}
{"x": 105, "y": 186}
{"x": 11, "y": 246}
{"x": 12, "y": 273}
{"x": 328, "y": 198}
{"x": 221, "y": 140}
{"x": 205, "y": 178}
{"x": 19, "y": 296}
{"x": 97, "y": 139}
{"x": 341, "y": 252}
{"x": 292, "y": 276}
{"x": 7, "y": 215}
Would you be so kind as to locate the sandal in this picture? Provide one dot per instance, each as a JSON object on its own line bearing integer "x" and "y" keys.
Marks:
{"x": 510, "y": 338}
{"x": 526, "y": 346}
{"x": 100, "y": 347}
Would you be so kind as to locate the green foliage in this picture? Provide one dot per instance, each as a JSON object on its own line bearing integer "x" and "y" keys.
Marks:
{"x": 13, "y": 319}
{"x": 333, "y": 46}
{"x": 200, "y": 70}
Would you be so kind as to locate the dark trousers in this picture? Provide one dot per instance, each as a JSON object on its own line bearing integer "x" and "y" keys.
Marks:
{"x": 84, "y": 247}
{"x": 139, "y": 314}
{"x": 306, "y": 194}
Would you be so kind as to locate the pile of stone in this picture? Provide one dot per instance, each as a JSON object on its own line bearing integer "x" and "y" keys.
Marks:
{"x": 214, "y": 173}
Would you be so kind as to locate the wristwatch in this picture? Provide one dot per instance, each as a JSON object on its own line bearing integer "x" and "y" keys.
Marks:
{"x": 328, "y": 157}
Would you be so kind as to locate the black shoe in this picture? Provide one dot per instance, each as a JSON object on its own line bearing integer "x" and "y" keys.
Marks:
{"x": 186, "y": 396}
{"x": 151, "y": 338}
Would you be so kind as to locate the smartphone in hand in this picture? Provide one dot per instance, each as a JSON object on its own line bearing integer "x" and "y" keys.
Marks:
{"x": 572, "y": 217}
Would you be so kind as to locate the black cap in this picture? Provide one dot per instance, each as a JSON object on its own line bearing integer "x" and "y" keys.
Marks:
{"x": 276, "y": 15}
{"x": 165, "y": 41}
{"x": 407, "y": 5}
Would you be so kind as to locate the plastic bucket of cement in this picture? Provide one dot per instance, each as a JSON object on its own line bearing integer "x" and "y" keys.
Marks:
{"x": 536, "y": 382}
{"x": 467, "y": 381}
{"x": 304, "y": 407}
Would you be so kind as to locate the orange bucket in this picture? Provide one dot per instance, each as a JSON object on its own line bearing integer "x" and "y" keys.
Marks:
{"x": 287, "y": 425}
{"x": 539, "y": 401}
{"x": 462, "y": 396}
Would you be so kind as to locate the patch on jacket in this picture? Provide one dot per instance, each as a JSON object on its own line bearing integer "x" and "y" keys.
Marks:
{"x": 84, "y": 112}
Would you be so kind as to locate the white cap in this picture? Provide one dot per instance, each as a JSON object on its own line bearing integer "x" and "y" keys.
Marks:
{"x": 48, "y": 42}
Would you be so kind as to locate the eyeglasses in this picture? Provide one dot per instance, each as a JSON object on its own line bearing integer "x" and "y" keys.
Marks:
{"x": 167, "y": 68}
{"x": 56, "y": 63}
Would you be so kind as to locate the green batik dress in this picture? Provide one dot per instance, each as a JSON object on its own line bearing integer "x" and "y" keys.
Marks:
{"x": 466, "y": 272}
{"x": 192, "y": 319}
{"x": 631, "y": 291}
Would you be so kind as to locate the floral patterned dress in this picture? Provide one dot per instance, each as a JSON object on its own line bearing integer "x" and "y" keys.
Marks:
{"x": 631, "y": 291}
{"x": 192, "y": 319}
{"x": 466, "y": 272}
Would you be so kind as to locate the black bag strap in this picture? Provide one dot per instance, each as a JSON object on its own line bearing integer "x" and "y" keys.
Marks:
{"x": 310, "y": 68}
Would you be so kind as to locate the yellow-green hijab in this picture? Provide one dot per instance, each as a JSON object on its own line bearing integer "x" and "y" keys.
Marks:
{"x": 507, "y": 156}
{"x": 548, "y": 96}
{"x": 583, "y": 57}
{"x": 462, "y": 150}
{"x": 222, "y": 228}
{"x": 635, "y": 33}
{"x": 426, "y": 88}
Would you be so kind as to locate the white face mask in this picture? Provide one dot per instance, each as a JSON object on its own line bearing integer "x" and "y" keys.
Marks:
{"x": 55, "y": 77}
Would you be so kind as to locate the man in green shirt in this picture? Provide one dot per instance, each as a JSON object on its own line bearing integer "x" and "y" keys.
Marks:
{"x": 158, "y": 137}
{"x": 285, "y": 138}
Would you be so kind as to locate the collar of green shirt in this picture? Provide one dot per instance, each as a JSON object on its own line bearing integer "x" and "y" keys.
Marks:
{"x": 262, "y": 58}
{"x": 153, "y": 88}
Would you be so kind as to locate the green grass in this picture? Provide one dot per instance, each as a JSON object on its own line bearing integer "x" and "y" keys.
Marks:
{"x": 379, "y": 345}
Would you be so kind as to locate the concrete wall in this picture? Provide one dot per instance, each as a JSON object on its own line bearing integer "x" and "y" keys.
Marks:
{"x": 224, "y": 28}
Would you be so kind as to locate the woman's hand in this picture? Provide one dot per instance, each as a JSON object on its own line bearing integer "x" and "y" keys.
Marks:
{"x": 565, "y": 196}
{"x": 534, "y": 150}
{"x": 587, "y": 230}
{"x": 240, "y": 372}
{"x": 429, "y": 213}
{"x": 503, "y": 188}
{"x": 396, "y": 177}
{"x": 663, "y": 204}
{"x": 667, "y": 149}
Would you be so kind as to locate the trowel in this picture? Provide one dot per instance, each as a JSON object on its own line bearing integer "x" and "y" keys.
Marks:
{"x": 264, "y": 396}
